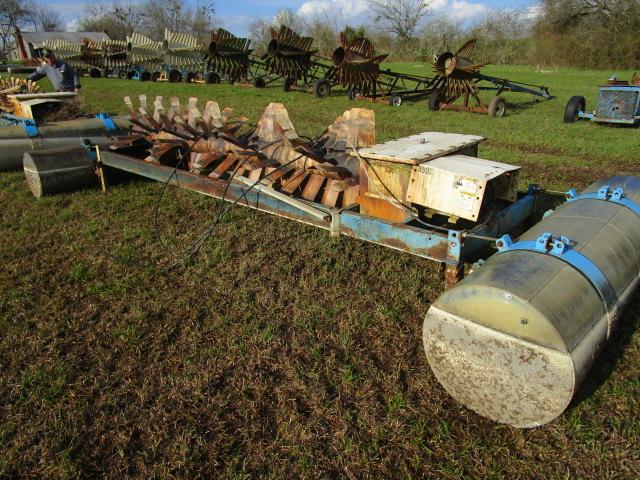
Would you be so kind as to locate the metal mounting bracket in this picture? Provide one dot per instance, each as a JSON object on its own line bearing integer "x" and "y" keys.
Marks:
{"x": 606, "y": 194}
{"x": 108, "y": 122}
{"x": 28, "y": 124}
{"x": 560, "y": 247}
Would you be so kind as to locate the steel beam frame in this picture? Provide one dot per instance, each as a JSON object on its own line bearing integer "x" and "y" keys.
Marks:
{"x": 450, "y": 247}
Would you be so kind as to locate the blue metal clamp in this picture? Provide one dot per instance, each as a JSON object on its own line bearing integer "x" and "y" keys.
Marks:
{"x": 28, "y": 124}
{"x": 560, "y": 247}
{"x": 108, "y": 122}
{"x": 605, "y": 193}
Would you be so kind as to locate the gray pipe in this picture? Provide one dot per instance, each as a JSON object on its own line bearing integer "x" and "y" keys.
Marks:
{"x": 514, "y": 340}
{"x": 14, "y": 141}
{"x": 59, "y": 170}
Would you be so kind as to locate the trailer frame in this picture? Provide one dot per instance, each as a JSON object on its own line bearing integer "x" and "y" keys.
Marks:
{"x": 449, "y": 247}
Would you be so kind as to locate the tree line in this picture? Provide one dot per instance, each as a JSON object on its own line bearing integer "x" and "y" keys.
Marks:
{"x": 576, "y": 33}
{"x": 26, "y": 15}
{"x": 571, "y": 33}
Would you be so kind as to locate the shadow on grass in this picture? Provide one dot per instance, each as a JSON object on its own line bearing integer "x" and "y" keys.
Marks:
{"x": 612, "y": 352}
{"x": 522, "y": 107}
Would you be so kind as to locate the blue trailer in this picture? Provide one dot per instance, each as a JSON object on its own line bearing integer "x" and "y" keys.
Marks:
{"x": 618, "y": 103}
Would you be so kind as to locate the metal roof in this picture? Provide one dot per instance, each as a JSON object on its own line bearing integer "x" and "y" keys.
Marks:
{"x": 37, "y": 38}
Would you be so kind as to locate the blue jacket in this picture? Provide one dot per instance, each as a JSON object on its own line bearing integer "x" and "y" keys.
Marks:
{"x": 61, "y": 75}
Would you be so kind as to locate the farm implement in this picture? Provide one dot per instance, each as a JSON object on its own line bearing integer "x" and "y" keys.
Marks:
{"x": 512, "y": 340}
{"x": 25, "y": 125}
{"x": 230, "y": 58}
{"x": 357, "y": 68}
{"x": 290, "y": 57}
{"x": 618, "y": 103}
{"x": 459, "y": 77}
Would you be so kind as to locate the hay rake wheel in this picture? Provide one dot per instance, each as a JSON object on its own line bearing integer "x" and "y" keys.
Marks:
{"x": 291, "y": 57}
{"x": 459, "y": 77}
{"x": 228, "y": 57}
{"x": 356, "y": 67}
{"x": 217, "y": 144}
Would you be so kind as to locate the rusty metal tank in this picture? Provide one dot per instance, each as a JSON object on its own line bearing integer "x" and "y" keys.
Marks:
{"x": 56, "y": 170}
{"x": 15, "y": 141}
{"x": 514, "y": 340}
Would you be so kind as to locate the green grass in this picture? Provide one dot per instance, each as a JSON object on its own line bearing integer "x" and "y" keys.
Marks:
{"x": 278, "y": 352}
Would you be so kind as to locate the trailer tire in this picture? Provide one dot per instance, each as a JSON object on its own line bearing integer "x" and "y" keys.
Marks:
{"x": 352, "y": 93}
{"x": 497, "y": 107}
{"x": 146, "y": 76}
{"x": 131, "y": 74}
{"x": 175, "y": 76}
{"x": 233, "y": 80}
{"x": 191, "y": 76}
{"x": 95, "y": 73}
{"x": 155, "y": 76}
{"x": 575, "y": 105}
{"x": 259, "y": 82}
{"x": 287, "y": 83}
{"x": 434, "y": 101}
{"x": 322, "y": 88}
{"x": 213, "y": 78}
{"x": 395, "y": 100}
{"x": 123, "y": 74}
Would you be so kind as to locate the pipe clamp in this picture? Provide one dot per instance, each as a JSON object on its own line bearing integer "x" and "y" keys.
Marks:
{"x": 108, "y": 122}
{"x": 560, "y": 247}
{"x": 606, "y": 194}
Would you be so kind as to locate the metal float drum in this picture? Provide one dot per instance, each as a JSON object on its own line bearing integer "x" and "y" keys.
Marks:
{"x": 514, "y": 340}
{"x": 15, "y": 140}
{"x": 57, "y": 170}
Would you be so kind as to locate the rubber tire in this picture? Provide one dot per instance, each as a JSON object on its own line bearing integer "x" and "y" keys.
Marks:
{"x": 286, "y": 85}
{"x": 155, "y": 76}
{"x": 352, "y": 94}
{"x": 395, "y": 100}
{"x": 233, "y": 80}
{"x": 123, "y": 74}
{"x": 322, "y": 88}
{"x": 434, "y": 101}
{"x": 213, "y": 78}
{"x": 95, "y": 73}
{"x": 497, "y": 107}
{"x": 259, "y": 82}
{"x": 174, "y": 76}
{"x": 191, "y": 76}
{"x": 131, "y": 74}
{"x": 575, "y": 105}
{"x": 145, "y": 76}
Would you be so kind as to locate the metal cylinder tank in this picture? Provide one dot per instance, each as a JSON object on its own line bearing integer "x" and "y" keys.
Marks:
{"x": 58, "y": 170}
{"x": 14, "y": 141}
{"x": 514, "y": 340}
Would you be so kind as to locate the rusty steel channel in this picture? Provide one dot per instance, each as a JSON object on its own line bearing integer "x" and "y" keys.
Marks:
{"x": 450, "y": 247}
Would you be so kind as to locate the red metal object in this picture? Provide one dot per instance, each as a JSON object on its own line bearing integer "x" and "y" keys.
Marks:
{"x": 20, "y": 42}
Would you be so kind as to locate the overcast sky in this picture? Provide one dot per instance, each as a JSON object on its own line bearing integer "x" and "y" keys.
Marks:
{"x": 237, "y": 15}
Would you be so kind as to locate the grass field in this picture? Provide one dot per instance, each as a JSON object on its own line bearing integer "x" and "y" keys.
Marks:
{"x": 278, "y": 351}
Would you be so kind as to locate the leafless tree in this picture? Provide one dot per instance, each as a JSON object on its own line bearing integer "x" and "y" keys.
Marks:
{"x": 399, "y": 17}
{"x": 48, "y": 20}
{"x": 118, "y": 19}
{"x": 260, "y": 28}
{"x": 260, "y": 34}
{"x": 13, "y": 14}
{"x": 177, "y": 16}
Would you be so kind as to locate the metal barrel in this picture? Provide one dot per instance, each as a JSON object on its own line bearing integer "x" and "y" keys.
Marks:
{"x": 514, "y": 340}
{"x": 58, "y": 170}
{"x": 14, "y": 141}
{"x": 338, "y": 57}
